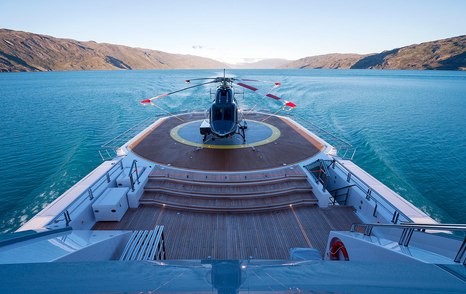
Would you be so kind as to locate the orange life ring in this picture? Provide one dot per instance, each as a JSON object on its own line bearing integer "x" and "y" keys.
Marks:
{"x": 336, "y": 246}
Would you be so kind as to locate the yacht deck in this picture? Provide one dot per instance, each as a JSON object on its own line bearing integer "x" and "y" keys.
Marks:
{"x": 230, "y": 200}
{"x": 263, "y": 235}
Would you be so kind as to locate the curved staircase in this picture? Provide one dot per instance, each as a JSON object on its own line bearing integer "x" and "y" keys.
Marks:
{"x": 236, "y": 193}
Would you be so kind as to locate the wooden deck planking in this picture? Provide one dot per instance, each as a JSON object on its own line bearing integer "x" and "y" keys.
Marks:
{"x": 291, "y": 147}
{"x": 267, "y": 235}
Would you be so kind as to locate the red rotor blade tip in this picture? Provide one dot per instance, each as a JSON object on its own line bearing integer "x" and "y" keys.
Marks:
{"x": 290, "y": 104}
{"x": 278, "y": 84}
{"x": 145, "y": 101}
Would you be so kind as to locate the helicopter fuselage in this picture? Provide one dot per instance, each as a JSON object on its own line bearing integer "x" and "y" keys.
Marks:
{"x": 223, "y": 114}
{"x": 224, "y": 121}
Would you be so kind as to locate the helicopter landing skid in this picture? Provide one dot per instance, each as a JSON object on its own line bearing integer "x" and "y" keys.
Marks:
{"x": 207, "y": 134}
{"x": 242, "y": 126}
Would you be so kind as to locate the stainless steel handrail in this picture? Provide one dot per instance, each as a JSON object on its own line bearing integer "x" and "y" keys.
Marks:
{"x": 300, "y": 119}
{"x": 110, "y": 143}
{"x": 440, "y": 227}
{"x": 408, "y": 231}
{"x": 119, "y": 140}
{"x": 87, "y": 195}
{"x": 132, "y": 170}
{"x": 370, "y": 191}
{"x": 337, "y": 142}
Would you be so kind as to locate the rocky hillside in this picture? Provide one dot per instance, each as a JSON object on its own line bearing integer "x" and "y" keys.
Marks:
{"x": 445, "y": 54}
{"x": 21, "y": 51}
{"x": 335, "y": 60}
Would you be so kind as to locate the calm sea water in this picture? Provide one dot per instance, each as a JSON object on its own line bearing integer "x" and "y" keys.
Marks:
{"x": 409, "y": 127}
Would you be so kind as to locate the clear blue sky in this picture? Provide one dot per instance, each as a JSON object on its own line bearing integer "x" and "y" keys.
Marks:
{"x": 235, "y": 30}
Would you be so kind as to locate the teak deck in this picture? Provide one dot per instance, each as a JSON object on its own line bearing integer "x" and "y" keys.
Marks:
{"x": 267, "y": 235}
{"x": 291, "y": 147}
{"x": 210, "y": 209}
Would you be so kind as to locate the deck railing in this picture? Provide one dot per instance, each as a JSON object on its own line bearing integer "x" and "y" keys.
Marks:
{"x": 88, "y": 195}
{"x": 407, "y": 231}
{"x": 345, "y": 149}
{"x": 335, "y": 195}
{"x": 371, "y": 194}
{"x": 134, "y": 170}
{"x": 109, "y": 149}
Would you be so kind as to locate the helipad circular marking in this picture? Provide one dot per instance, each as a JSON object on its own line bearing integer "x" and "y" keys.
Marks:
{"x": 274, "y": 135}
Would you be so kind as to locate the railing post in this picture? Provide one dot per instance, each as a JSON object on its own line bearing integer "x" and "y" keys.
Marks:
{"x": 108, "y": 177}
{"x": 408, "y": 237}
{"x": 347, "y": 195}
{"x": 131, "y": 181}
{"x": 396, "y": 214}
{"x": 368, "y": 193}
{"x": 121, "y": 164}
{"x": 368, "y": 230}
{"x": 461, "y": 251}
{"x": 348, "y": 178}
{"x": 101, "y": 156}
{"x": 67, "y": 217}
{"x": 91, "y": 194}
{"x": 354, "y": 152}
{"x": 374, "y": 214}
{"x": 403, "y": 236}
{"x": 136, "y": 169}
{"x": 346, "y": 151}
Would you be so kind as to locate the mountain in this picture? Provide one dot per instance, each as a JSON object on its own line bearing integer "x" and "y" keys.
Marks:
{"x": 263, "y": 63}
{"x": 21, "y": 51}
{"x": 334, "y": 60}
{"x": 445, "y": 54}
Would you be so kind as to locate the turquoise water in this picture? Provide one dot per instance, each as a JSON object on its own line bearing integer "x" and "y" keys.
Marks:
{"x": 409, "y": 126}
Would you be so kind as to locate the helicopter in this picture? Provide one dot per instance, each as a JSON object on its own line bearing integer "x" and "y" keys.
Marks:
{"x": 224, "y": 118}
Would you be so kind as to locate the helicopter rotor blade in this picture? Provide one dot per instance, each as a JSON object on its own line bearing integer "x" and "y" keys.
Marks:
{"x": 275, "y": 84}
{"x": 145, "y": 101}
{"x": 198, "y": 79}
{"x": 275, "y": 97}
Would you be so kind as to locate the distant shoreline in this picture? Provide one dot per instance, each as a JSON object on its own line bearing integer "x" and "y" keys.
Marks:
{"x": 28, "y": 52}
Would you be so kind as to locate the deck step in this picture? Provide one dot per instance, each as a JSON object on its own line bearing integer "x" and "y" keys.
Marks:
{"x": 230, "y": 209}
{"x": 229, "y": 204}
{"x": 294, "y": 171}
{"x": 234, "y": 192}
{"x": 220, "y": 182}
{"x": 225, "y": 194}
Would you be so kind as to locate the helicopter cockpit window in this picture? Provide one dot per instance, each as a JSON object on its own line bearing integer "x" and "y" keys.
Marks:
{"x": 228, "y": 114}
{"x": 217, "y": 113}
{"x": 223, "y": 113}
